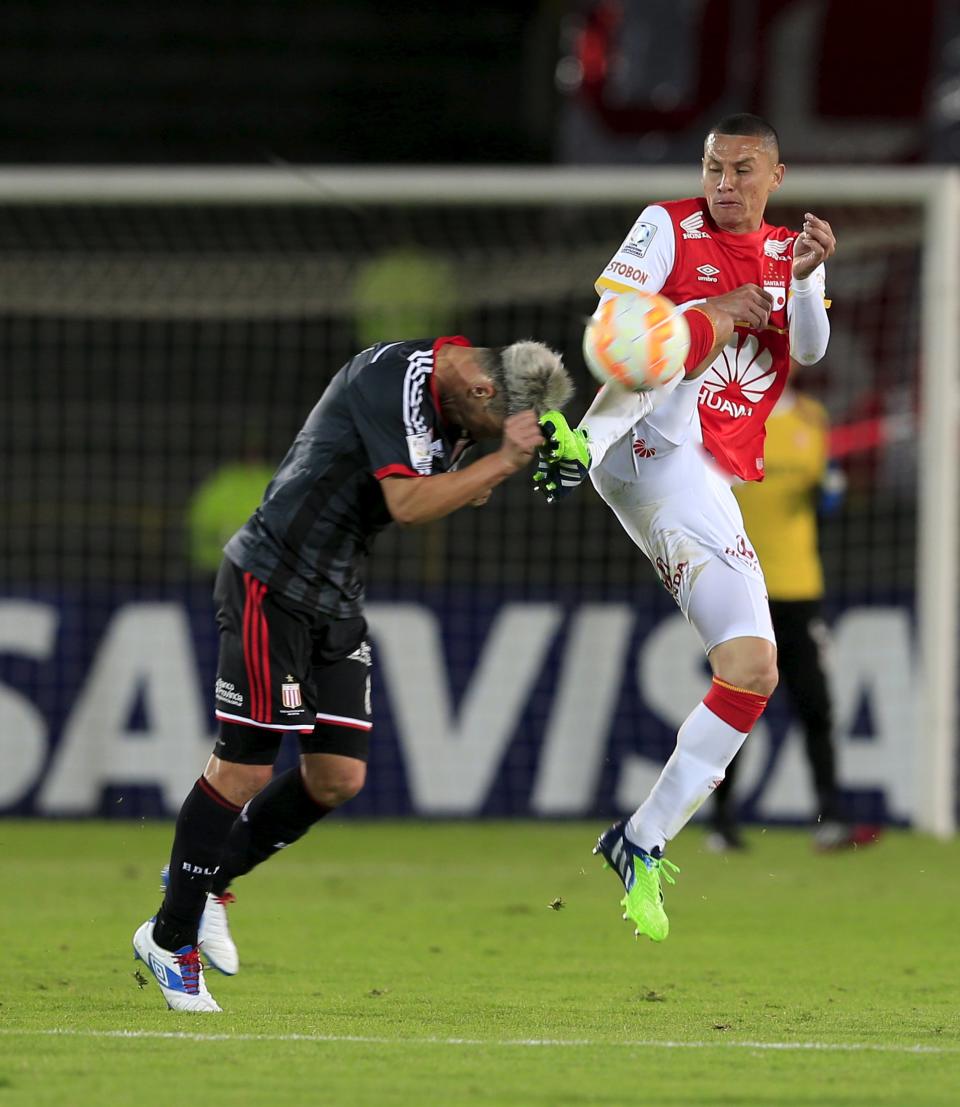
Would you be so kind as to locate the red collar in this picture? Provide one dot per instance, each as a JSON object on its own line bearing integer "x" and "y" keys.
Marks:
{"x": 450, "y": 340}
{"x": 446, "y": 340}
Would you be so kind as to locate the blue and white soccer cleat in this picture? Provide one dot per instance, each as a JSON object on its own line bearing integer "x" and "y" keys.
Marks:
{"x": 640, "y": 873}
{"x": 179, "y": 973}
{"x": 218, "y": 948}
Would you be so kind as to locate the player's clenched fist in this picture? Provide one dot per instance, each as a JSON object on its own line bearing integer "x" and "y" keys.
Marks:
{"x": 814, "y": 245}
{"x": 747, "y": 304}
{"x": 521, "y": 436}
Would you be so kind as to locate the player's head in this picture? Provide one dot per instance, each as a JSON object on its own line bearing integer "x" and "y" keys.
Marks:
{"x": 487, "y": 385}
{"x": 741, "y": 167}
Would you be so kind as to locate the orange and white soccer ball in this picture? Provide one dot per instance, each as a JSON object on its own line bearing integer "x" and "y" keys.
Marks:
{"x": 637, "y": 339}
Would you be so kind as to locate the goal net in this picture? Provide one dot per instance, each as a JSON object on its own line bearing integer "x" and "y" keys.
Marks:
{"x": 164, "y": 335}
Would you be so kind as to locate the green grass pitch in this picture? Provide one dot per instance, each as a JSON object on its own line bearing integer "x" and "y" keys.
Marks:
{"x": 409, "y": 963}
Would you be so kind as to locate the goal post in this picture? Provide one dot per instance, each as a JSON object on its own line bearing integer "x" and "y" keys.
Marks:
{"x": 106, "y": 249}
{"x": 938, "y": 596}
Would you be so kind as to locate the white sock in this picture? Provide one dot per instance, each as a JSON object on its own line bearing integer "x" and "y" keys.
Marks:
{"x": 705, "y": 747}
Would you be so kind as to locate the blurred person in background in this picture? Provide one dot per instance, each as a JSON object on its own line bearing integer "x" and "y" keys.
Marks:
{"x": 383, "y": 444}
{"x": 219, "y": 506}
{"x": 780, "y": 514}
{"x": 403, "y": 290}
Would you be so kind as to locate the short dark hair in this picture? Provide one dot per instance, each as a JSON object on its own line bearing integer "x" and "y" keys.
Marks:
{"x": 751, "y": 126}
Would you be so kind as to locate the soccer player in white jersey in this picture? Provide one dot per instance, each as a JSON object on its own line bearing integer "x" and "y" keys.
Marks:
{"x": 664, "y": 461}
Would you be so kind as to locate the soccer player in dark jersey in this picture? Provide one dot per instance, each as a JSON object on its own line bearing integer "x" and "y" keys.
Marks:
{"x": 382, "y": 444}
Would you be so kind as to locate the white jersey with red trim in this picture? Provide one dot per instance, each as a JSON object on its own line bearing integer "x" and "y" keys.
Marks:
{"x": 676, "y": 249}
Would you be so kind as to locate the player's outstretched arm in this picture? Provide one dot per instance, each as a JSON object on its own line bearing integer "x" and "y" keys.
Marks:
{"x": 415, "y": 500}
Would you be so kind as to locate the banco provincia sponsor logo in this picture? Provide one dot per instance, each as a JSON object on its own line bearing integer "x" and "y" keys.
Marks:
{"x": 739, "y": 378}
{"x": 227, "y": 693}
{"x": 692, "y": 226}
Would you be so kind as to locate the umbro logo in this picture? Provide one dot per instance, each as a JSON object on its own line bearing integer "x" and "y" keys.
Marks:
{"x": 708, "y": 273}
{"x": 692, "y": 226}
{"x": 159, "y": 970}
{"x": 774, "y": 248}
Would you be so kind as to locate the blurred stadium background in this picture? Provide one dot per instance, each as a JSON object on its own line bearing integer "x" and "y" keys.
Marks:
{"x": 200, "y": 222}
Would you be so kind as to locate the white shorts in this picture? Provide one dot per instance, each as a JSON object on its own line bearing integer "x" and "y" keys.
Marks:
{"x": 695, "y": 538}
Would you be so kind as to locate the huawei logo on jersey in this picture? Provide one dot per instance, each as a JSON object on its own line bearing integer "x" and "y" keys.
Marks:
{"x": 641, "y": 449}
{"x": 738, "y": 379}
{"x": 692, "y": 226}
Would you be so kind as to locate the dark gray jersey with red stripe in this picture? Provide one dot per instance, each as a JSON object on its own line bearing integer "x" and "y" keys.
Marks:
{"x": 379, "y": 416}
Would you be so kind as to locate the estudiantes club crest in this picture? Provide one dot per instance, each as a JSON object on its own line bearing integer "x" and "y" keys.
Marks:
{"x": 290, "y": 693}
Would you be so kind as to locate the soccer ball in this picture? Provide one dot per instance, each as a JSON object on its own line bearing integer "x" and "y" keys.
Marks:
{"x": 638, "y": 340}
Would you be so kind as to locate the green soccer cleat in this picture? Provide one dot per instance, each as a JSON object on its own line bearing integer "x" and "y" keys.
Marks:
{"x": 643, "y": 904}
{"x": 564, "y": 459}
{"x": 564, "y": 443}
{"x": 641, "y": 873}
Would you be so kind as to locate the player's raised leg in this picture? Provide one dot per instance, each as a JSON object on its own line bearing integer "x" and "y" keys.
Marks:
{"x": 729, "y": 611}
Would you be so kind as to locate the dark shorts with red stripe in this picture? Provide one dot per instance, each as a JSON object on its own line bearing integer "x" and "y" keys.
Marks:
{"x": 286, "y": 669}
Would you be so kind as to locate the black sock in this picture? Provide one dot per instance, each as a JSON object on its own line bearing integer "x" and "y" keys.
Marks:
{"x": 274, "y": 818}
{"x": 828, "y": 807}
{"x": 203, "y": 827}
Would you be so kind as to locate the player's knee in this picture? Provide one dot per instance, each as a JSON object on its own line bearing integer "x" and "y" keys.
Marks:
{"x": 334, "y": 786}
{"x": 753, "y": 668}
{"x": 235, "y": 782}
{"x": 766, "y": 679}
{"x": 758, "y": 675}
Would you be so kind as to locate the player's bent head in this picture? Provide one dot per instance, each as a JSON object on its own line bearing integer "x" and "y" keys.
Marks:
{"x": 528, "y": 375}
{"x": 746, "y": 125}
{"x": 481, "y": 386}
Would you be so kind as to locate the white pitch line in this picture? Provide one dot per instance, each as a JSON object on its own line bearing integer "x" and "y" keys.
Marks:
{"x": 555, "y": 1043}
